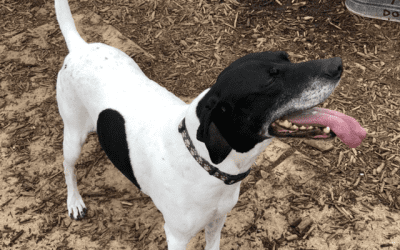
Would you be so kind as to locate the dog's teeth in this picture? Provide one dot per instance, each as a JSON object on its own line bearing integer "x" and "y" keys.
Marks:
{"x": 294, "y": 127}
{"x": 326, "y": 130}
{"x": 302, "y": 128}
{"x": 285, "y": 124}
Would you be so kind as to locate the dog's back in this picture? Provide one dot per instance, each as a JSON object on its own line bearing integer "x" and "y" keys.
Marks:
{"x": 103, "y": 76}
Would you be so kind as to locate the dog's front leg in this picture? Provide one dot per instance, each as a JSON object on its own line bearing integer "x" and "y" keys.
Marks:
{"x": 213, "y": 233}
{"x": 176, "y": 240}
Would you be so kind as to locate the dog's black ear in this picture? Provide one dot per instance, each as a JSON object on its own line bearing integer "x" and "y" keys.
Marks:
{"x": 218, "y": 148}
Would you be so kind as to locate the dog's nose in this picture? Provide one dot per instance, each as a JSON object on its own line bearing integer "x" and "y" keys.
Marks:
{"x": 333, "y": 67}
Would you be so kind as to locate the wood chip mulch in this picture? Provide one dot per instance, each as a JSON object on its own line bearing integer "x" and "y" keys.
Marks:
{"x": 192, "y": 42}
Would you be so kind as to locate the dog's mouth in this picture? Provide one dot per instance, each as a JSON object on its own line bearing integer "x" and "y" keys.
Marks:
{"x": 284, "y": 128}
{"x": 319, "y": 123}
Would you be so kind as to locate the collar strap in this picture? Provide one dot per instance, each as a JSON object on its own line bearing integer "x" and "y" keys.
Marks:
{"x": 226, "y": 178}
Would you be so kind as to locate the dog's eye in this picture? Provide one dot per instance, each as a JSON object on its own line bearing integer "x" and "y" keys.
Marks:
{"x": 273, "y": 71}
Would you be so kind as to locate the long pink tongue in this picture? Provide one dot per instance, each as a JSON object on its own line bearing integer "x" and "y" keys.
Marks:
{"x": 345, "y": 127}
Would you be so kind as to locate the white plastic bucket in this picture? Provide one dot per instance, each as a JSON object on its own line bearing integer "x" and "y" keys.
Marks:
{"x": 379, "y": 9}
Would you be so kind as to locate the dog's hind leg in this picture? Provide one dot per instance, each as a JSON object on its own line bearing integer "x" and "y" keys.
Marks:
{"x": 72, "y": 148}
{"x": 77, "y": 124}
{"x": 213, "y": 233}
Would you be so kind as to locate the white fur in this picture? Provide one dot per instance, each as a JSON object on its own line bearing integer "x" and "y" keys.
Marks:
{"x": 95, "y": 77}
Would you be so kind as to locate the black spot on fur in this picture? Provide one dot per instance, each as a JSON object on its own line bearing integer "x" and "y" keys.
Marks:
{"x": 65, "y": 66}
{"x": 112, "y": 137}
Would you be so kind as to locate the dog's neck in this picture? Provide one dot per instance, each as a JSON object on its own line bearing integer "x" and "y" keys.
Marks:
{"x": 236, "y": 162}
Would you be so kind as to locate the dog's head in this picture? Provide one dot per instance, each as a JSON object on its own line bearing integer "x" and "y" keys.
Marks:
{"x": 254, "y": 91}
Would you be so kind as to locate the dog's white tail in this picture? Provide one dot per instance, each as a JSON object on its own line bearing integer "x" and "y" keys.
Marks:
{"x": 67, "y": 25}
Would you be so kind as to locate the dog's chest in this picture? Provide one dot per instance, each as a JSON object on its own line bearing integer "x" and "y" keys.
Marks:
{"x": 168, "y": 173}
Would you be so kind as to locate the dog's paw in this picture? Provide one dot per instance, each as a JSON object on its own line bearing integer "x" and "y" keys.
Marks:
{"x": 78, "y": 215}
{"x": 76, "y": 207}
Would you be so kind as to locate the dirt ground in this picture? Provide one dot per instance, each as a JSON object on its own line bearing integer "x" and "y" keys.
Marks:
{"x": 304, "y": 194}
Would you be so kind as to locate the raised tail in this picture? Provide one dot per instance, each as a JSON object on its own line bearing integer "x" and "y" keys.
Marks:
{"x": 67, "y": 25}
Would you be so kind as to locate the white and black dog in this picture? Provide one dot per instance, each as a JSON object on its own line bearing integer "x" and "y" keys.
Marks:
{"x": 189, "y": 159}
